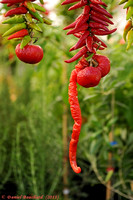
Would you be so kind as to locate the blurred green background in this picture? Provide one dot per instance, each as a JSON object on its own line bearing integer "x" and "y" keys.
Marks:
{"x": 36, "y": 123}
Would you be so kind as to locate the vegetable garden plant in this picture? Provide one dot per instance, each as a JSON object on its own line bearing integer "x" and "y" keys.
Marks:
{"x": 104, "y": 147}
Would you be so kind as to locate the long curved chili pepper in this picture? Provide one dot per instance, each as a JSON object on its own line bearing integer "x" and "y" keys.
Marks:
{"x": 78, "y": 35}
{"x": 14, "y": 29}
{"x": 130, "y": 39}
{"x": 96, "y": 19}
{"x": 99, "y": 41}
{"x": 72, "y": 25}
{"x": 68, "y": 2}
{"x": 100, "y": 10}
{"x": 89, "y": 42}
{"x": 98, "y": 26}
{"x": 19, "y": 34}
{"x": 86, "y": 10}
{"x": 78, "y": 29}
{"x": 14, "y": 20}
{"x": 127, "y": 28}
{"x": 76, "y": 114}
{"x": 81, "y": 41}
{"x": 101, "y": 32}
{"x": 82, "y": 20}
{"x": 98, "y": 2}
{"x": 77, "y": 47}
{"x": 77, "y": 55}
{"x": 78, "y": 5}
{"x": 101, "y": 16}
{"x": 29, "y": 6}
{"x": 16, "y": 11}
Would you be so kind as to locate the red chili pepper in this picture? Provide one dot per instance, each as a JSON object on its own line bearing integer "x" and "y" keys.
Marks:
{"x": 89, "y": 42}
{"x": 78, "y": 55}
{"x": 16, "y": 11}
{"x": 99, "y": 41}
{"x": 98, "y": 26}
{"x": 72, "y": 25}
{"x": 93, "y": 18}
{"x": 101, "y": 32}
{"x": 76, "y": 114}
{"x": 98, "y": 47}
{"x": 82, "y": 20}
{"x": 69, "y": 1}
{"x": 101, "y": 16}
{"x": 78, "y": 35}
{"x": 81, "y": 41}
{"x": 86, "y": 10}
{"x": 12, "y": 1}
{"x": 81, "y": 45}
{"x": 78, "y": 29}
{"x": 98, "y": 2}
{"x": 100, "y": 10}
{"x": 19, "y": 34}
{"x": 78, "y": 5}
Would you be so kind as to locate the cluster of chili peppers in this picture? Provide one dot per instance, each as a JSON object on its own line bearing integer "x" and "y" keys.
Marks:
{"x": 128, "y": 30}
{"x": 93, "y": 21}
{"x": 24, "y": 17}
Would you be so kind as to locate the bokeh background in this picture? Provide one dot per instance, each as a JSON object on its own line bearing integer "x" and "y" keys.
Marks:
{"x": 36, "y": 123}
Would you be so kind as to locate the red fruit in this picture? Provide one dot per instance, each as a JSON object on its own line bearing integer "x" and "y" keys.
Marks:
{"x": 103, "y": 64}
{"x": 89, "y": 77}
{"x": 31, "y": 54}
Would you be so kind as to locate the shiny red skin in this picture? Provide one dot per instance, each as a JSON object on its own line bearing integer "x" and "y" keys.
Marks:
{"x": 89, "y": 77}
{"x": 103, "y": 64}
{"x": 31, "y": 54}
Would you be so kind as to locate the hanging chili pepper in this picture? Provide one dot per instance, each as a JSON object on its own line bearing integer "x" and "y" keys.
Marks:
{"x": 39, "y": 8}
{"x": 86, "y": 10}
{"x": 95, "y": 19}
{"x": 76, "y": 30}
{"x": 98, "y": 2}
{"x": 78, "y": 5}
{"x": 35, "y": 27}
{"x": 76, "y": 114}
{"x": 78, "y": 55}
{"x": 82, "y": 20}
{"x": 36, "y": 15}
{"x": 69, "y": 1}
{"x": 127, "y": 28}
{"x": 77, "y": 46}
{"x": 101, "y": 32}
{"x": 14, "y": 20}
{"x": 98, "y": 26}
{"x": 89, "y": 42}
{"x": 29, "y": 6}
{"x": 81, "y": 41}
{"x": 19, "y": 34}
{"x": 25, "y": 41}
{"x": 14, "y": 29}
{"x": 101, "y": 16}
{"x": 72, "y": 25}
{"x": 16, "y": 11}
{"x": 100, "y": 10}
{"x": 129, "y": 39}
{"x": 129, "y": 13}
